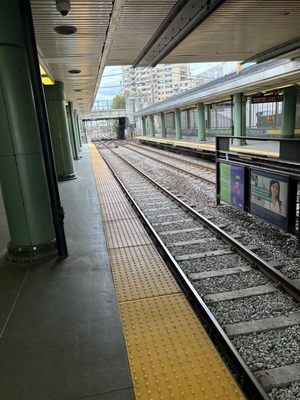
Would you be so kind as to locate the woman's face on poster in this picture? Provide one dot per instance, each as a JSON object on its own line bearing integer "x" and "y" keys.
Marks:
{"x": 275, "y": 190}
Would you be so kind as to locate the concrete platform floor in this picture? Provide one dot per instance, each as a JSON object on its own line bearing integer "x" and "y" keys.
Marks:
{"x": 60, "y": 331}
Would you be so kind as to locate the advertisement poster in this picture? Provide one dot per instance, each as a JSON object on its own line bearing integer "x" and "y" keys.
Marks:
{"x": 269, "y": 197}
{"x": 232, "y": 185}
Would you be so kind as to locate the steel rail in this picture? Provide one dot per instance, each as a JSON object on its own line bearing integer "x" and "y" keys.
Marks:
{"x": 243, "y": 375}
{"x": 176, "y": 168}
{"x": 246, "y": 253}
{"x": 191, "y": 163}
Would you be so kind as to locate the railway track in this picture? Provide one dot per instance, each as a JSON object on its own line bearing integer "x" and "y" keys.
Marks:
{"x": 196, "y": 170}
{"x": 209, "y": 165}
{"x": 278, "y": 248}
{"x": 254, "y": 303}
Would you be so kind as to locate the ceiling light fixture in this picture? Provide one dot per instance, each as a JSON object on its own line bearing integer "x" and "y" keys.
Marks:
{"x": 46, "y": 79}
{"x": 65, "y": 29}
{"x": 74, "y": 71}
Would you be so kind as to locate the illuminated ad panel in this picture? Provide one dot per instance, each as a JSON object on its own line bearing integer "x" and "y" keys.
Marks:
{"x": 269, "y": 197}
{"x": 232, "y": 186}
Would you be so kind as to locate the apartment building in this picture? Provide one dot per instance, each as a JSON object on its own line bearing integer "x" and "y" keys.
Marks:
{"x": 148, "y": 86}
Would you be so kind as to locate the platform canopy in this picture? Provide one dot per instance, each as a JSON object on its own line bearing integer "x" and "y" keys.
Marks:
{"x": 147, "y": 32}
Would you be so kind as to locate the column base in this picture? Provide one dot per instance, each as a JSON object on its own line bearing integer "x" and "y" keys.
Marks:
{"x": 239, "y": 142}
{"x": 66, "y": 177}
{"x": 26, "y": 254}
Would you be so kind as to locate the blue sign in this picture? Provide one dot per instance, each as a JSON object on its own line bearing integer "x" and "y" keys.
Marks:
{"x": 232, "y": 186}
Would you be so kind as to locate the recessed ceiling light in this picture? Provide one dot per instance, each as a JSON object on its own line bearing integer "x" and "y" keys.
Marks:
{"x": 65, "y": 29}
{"x": 74, "y": 71}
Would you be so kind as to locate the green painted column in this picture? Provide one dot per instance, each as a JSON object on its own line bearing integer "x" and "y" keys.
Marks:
{"x": 239, "y": 116}
{"x": 289, "y": 111}
{"x": 144, "y": 130}
{"x": 208, "y": 116}
{"x": 163, "y": 125}
{"x": 188, "y": 119}
{"x": 173, "y": 120}
{"x": 152, "y": 127}
{"x": 178, "y": 124}
{"x": 71, "y": 132}
{"x": 60, "y": 137}
{"x": 70, "y": 114}
{"x": 22, "y": 172}
{"x": 201, "y": 122}
{"x": 78, "y": 129}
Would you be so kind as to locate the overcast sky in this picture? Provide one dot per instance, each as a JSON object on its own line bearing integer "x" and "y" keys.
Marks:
{"x": 111, "y": 83}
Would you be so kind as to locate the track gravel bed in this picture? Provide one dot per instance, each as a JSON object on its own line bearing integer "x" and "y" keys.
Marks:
{"x": 254, "y": 308}
{"x": 230, "y": 282}
{"x": 291, "y": 392}
{"x": 267, "y": 350}
{"x": 277, "y": 245}
{"x": 213, "y": 263}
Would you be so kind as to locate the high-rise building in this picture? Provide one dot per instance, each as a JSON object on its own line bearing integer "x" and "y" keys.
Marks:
{"x": 148, "y": 86}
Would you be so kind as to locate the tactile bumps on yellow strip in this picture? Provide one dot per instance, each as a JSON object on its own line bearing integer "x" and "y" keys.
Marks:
{"x": 139, "y": 272}
{"x": 123, "y": 233}
{"x": 170, "y": 354}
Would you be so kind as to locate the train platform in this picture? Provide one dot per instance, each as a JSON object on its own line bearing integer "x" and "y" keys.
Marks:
{"x": 260, "y": 148}
{"x": 63, "y": 323}
{"x": 60, "y": 333}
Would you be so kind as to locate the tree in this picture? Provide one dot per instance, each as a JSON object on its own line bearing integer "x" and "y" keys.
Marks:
{"x": 118, "y": 102}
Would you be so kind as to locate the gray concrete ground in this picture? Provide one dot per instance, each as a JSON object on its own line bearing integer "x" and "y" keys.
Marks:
{"x": 60, "y": 331}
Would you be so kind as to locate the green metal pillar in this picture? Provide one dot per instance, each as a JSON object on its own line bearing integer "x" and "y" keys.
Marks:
{"x": 163, "y": 125}
{"x": 239, "y": 116}
{"x": 71, "y": 131}
{"x": 173, "y": 120}
{"x": 144, "y": 130}
{"x": 70, "y": 114}
{"x": 208, "y": 116}
{"x": 188, "y": 119}
{"x": 178, "y": 124}
{"x": 78, "y": 129}
{"x": 152, "y": 127}
{"x": 201, "y": 122}
{"x": 22, "y": 172}
{"x": 289, "y": 111}
{"x": 59, "y": 131}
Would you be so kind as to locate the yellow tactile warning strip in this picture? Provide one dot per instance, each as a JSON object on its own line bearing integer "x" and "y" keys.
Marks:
{"x": 170, "y": 354}
{"x": 210, "y": 146}
{"x": 180, "y": 142}
{"x": 139, "y": 272}
{"x": 255, "y": 151}
{"x": 121, "y": 210}
{"x": 124, "y": 233}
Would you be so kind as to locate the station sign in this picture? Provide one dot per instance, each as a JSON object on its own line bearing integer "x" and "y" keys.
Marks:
{"x": 269, "y": 197}
{"x": 270, "y": 97}
{"x": 232, "y": 185}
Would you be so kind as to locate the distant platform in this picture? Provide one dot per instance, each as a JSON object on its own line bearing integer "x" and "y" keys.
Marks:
{"x": 262, "y": 148}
